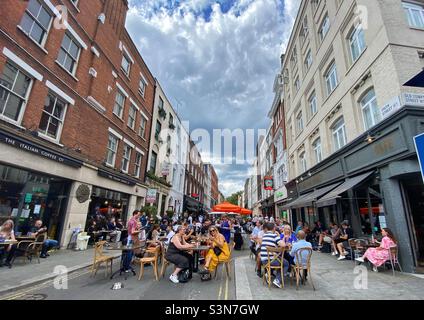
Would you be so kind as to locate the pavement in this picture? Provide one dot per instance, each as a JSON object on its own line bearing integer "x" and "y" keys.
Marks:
{"x": 333, "y": 280}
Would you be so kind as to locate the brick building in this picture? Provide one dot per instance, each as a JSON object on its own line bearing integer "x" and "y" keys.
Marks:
{"x": 214, "y": 187}
{"x": 76, "y": 103}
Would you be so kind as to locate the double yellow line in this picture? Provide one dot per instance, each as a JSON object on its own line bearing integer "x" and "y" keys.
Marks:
{"x": 22, "y": 293}
{"x": 225, "y": 293}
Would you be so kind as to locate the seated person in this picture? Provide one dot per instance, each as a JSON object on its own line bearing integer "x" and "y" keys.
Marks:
{"x": 205, "y": 227}
{"x": 7, "y": 233}
{"x": 93, "y": 232}
{"x": 48, "y": 244}
{"x": 342, "y": 243}
{"x": 301, "y": 243}
{"x": 153, "y": 235}
{"x": 287, "y": 239}
{"x": 170, "y": 233}
{"x": 115, "y": 235}
{"x": 219, "y": 252}
{"x": 119, "y": 224}
{"x": 378, "y": 256}
{"x": 335, "y": 235}
{"x": 271, "y": 239}
{"x": 177, "y": 255}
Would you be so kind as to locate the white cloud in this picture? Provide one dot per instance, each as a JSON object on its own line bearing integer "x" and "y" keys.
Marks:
{"x": 221, "y": 68}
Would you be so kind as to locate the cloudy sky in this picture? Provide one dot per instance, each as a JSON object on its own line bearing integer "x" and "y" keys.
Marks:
{"x": 216, "y": 60}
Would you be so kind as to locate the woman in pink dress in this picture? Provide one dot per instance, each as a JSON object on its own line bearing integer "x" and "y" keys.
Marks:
{"x": 378, "y": 256}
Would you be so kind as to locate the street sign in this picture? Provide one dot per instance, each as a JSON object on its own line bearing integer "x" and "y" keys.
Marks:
{"x": 268, "y": 183}
{"x": 419, "y": 147}
{"x": 151, "y": 196}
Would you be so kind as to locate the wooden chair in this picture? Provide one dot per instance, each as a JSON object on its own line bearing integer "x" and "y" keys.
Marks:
{"x": 99, "y": 258}
{"x": 393, "y": 259}
{"x": 299, "y": 266}
{"x": 28, "y": 249}
{"x": 165, "y": 263}
{"x": 153, "y": 259}
{"x": 226, "y": 263}
{"x": 274, "y": 254}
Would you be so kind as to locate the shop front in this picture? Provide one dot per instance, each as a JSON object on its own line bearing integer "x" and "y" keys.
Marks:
{"x": 192, "y": 206}
{"x": 373, "y": 182}
{"x": 280, "y": 199}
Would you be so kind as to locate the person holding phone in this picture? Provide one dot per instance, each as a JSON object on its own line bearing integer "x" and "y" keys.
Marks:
{"x": 48, "y": 244}
{"x": 219, "y": 252}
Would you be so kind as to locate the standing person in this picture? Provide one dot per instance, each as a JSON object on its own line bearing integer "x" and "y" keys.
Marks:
{"x": 226, "y": 229}
{"x": 133, "y": 226}
{"x": 143, "y": 219}
{"x": 177, "y": 254}
{"x": 7, "y": 233}
{"x": 190, "y": 220}
{"x": 378, "y": 256}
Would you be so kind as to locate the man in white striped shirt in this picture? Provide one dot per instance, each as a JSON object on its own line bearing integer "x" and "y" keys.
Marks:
{"x": 272, "y": 239}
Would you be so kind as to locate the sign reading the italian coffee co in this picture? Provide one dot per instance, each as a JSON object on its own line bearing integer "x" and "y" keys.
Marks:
{"x": 25, "y": 145}
{"x": 151, "y": 196}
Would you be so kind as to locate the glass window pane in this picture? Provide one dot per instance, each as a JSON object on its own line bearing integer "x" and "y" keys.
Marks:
{"x": 44, "y": 18}
{"x": 73, "y": 50}
{"x": 37, "y": 33}
{"x": 13, "y": 107}
{"x": 59, "y": 110}
{"x": 49, "y": 104}
{"x": 69, "y": 64}
{"x": 34, "y": 7}
{"x": 62, "y": 57}
{"x": 66, "y": 42}
{"x": 22, "y": 84}
{"x": 8, "y": 76}
{"x": 53, "y": 127}
{"x": 26, "y": 23}
{"x": 44, "y": 122}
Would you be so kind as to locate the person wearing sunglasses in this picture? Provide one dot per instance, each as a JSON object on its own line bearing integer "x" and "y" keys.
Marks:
{"x": 219, "y": 252}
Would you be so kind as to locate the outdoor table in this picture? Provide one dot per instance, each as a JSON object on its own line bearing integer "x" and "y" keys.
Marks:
{"x": 8, "y": 242}
{"x": 25, "y": 238}
{"x": 196, "y": 254}
{"x": 125, "y": 267}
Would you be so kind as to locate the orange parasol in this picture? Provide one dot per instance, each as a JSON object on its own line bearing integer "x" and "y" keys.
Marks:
{"x": 226, "y": 207}
{"x": 245, "y": 211}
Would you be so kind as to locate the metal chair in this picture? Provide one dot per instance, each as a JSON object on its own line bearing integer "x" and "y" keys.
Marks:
{"x": 28, "y": 249}
{"x": 301, "y": 255}
{"x": 274, "y": 254}
{"x": 393, "y": 259}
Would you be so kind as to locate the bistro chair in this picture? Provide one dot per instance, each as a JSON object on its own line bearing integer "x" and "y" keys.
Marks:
{"x": 28, "y": 249}
{"x": 225, "y": 264}
{"x": 305, "y": 253}
{"x": 393, "y": 259}
{"x": 274, "y": 254}
{"x": 153, "y": 259}
{"x": 99, "y": 258}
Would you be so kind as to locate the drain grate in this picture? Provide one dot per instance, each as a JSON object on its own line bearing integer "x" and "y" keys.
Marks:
{"x": 38, "y": 296}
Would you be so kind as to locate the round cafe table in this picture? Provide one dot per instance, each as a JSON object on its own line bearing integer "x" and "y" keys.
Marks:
{"x": 196, "y": 255}
{"x": 125, "y": 265}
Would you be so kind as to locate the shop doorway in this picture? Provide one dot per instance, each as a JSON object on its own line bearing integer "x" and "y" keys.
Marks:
{"x": 414, "y": 192}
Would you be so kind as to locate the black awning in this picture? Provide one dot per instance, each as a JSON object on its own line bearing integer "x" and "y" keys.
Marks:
{"x": 417, "y": 81}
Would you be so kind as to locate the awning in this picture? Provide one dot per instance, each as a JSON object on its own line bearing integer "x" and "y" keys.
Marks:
{"x": 312, "y": 197}
{"x": 294, "y": 204}
{"x": 417, "y": 81}
{"x": 331, "y": 198}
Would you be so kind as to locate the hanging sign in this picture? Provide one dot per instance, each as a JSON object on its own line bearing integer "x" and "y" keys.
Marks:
{"x": 269, "y": 183}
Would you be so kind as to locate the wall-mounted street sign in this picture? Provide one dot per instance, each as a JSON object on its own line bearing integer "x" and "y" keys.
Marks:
{"x": 268, "y": 183}
{"x": 419, "y": 146}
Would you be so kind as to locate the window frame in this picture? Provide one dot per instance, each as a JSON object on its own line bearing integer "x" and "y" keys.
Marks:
{"x": 119, "y": 92}
{"x": 61, "y": 122}
{"x": 128, "y": 60}
{"x": 126, "y": 161}
{"x": 35, "y": 21}
{"x": 317, "y": 148}
{"x": 369, "y": 105}
{"x": 407, "y": 8}
{"x": 138, "y": 161}
{"x": 355, "y": 39}
{"x": 76, "y": 61}
{"x": 115, "y": 152}
{"x": 142, "y": 129}
{"x": 313, "y": 98}
{"x": 338, "y": 127}
{"x": 134, "y": 119}
{"x": 331, "y": 74}
{"x": 325, "y": 22}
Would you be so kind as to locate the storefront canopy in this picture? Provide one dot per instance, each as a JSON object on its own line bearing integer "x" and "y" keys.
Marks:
{"x": 309, "y": 198}
{"x": 295, "y": 203}
{"x": 417, "y": 81}
{"x": 331, "y": 198}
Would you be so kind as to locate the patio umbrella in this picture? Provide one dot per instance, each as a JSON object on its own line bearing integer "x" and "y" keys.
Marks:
{"x": 226, "y": 207}
{"x": 245, "y": 212}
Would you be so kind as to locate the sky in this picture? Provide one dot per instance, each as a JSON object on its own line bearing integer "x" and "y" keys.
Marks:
{"x": 217, "y": 61}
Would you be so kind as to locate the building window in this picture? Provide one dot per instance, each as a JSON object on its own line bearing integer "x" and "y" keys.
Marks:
{"x": 299, "y": 123}
{"x": 69, "y": 54}
{"x": 297, "y": 84}
{"x": 339, "y": 134}
{"x": 313, "y": 106}
{"x": 132, "y": 117}
{"x": 305, "y": 30}
{"x": 126, "y": 158}
{"x": 370, "y": 111}
{"x": 118, "y": 108}
{"x": 331, "y": 78}
{"x": 357, "y": 42}
{"x": 158, "y": 130}
{"x": 126, "y": 64}
{"x": 112, "y": 148}
{"x": 308, "y": 60}
{"x": 153, "y": 160}
{"x": 302, "y": 161}
{"x": 415, "y": 15}
{"x": 325, "y": 27}
{"x": 14, "y": 89}
{"x": 36, "y": 22}
{"x": 52, "y": 118}
{"x": 142, "y": 131}
{"x": 137, "y": 164}
{"x": 316, "y": 146}
{"x": 142, "y": 86}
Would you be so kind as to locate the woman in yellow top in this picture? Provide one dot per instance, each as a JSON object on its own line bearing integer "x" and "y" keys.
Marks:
{"x": 219, "y": 252}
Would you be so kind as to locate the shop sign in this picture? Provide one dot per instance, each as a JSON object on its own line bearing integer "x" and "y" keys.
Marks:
{"x": 28, "y": 197}
{"x": 419, "y": 146}
{"x": 413, "y": 99}
{"x": 166, "y": 168}
{"x": 151, "y": 196}
{"x": 116, "y": 178}
{"x": 269, "y": 183}
{"x": 390, "y": 107}
{"x": 28, "y": 146}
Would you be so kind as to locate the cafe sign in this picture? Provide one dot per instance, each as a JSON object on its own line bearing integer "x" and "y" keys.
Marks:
{"x": 268, "y": 183}
{"x": 151, "y": 196}
{"x": 28, "y": 146}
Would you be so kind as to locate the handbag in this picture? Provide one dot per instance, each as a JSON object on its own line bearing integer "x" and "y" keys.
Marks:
{"x": 217, "y": 251}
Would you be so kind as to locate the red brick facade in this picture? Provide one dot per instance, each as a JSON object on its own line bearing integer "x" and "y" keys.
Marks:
{"x": 85, "y": 128}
